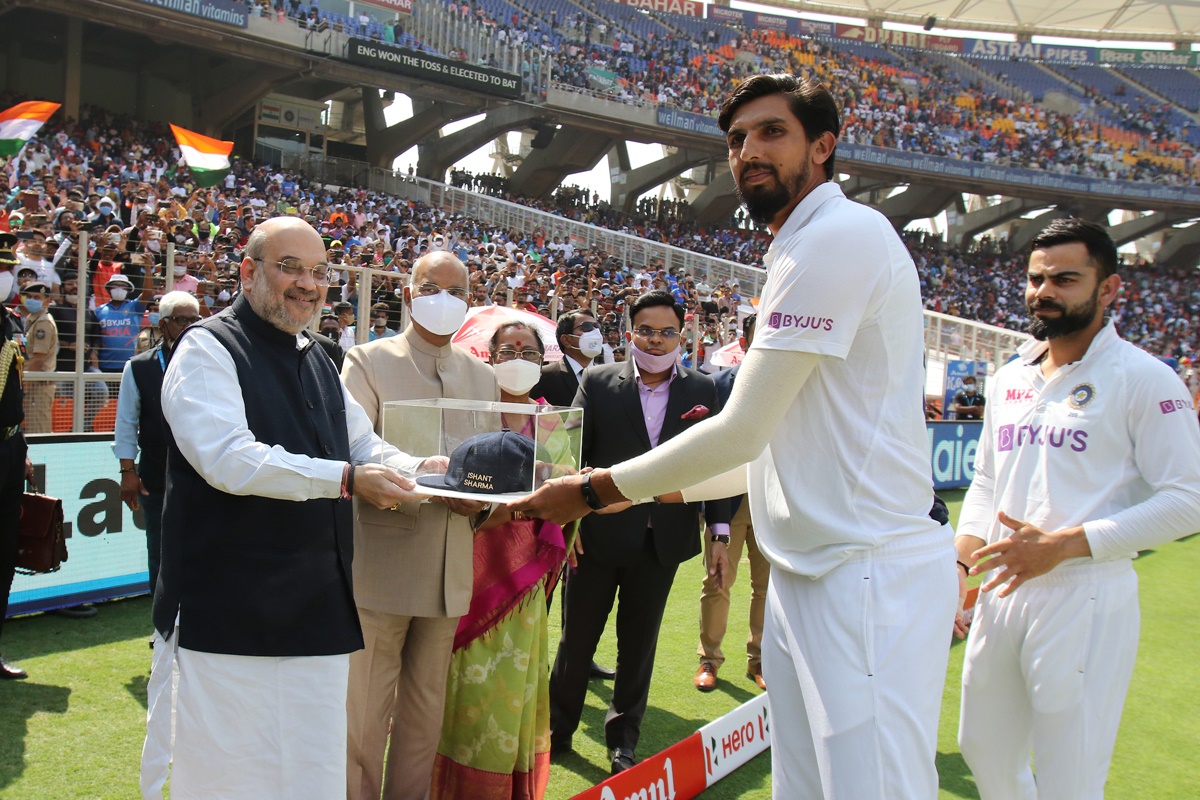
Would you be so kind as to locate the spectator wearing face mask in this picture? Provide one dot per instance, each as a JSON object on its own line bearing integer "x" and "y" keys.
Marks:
{"x": 581, "y": 341}
{"x": 120, "y": 321}
{"x": 185, "y": 281}
{"x": 41, "y": 354}
{"x": 379, "y": 321}
{"x": 969, "y": 402}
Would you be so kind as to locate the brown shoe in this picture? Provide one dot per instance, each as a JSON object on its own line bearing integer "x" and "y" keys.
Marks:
{"x": 754, "y": 673}
{"x": 706, "y": 677}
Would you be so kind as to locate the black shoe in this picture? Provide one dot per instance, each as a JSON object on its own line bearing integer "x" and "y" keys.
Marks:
{"x": 603, "y": 673}
{"x": 622, "y": 759}
{"x": 560, "y": 747}
{"x": 11, "y": 672}
{"x": 76, "y": 612}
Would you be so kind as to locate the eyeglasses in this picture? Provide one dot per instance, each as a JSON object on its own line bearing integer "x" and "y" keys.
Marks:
{"x": 294, "y": 268}
{"x": 508, "y": 354}
{"x": 430, "y": 289}
{"x": 182, "y": 320}
{"x": 585, "y": 327}
{"x": 645, "y": 332}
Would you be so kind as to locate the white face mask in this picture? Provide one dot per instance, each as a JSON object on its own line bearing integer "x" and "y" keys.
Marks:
{"x": 180, "y": 270}
{"x": 591, "y": 343}
{"x": 6, "y": 284}
{"x": 440, "y": 314}
{"x": 118, "y": 293}
{"x": 517, "y": 376}
{"x": 223, "y": 295}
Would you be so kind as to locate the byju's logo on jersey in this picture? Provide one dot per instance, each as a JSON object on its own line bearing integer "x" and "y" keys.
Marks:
{"x": 1012, "y": 437}
{"x": 800, "y": 321}
{"x": 1167, "y": 406}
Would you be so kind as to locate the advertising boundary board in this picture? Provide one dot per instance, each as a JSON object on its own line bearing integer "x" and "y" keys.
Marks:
{"x": 952, "y": 448}
{"x": 106, "y": 542}
{"x": 687, "y": 768}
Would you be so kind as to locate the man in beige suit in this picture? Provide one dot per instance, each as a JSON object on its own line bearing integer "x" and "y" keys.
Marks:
{"x": 413, "y": 565}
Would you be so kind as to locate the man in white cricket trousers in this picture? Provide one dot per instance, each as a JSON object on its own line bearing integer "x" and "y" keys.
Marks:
{"x": 826, "y": 432}
{"x": 1090, "y": 452}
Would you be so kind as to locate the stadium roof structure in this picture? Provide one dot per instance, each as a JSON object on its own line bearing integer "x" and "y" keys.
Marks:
{"x": 1132, "y": 20}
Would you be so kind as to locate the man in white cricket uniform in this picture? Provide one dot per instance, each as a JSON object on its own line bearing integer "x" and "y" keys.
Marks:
{"x": 1090, "y": 452}
{"x": 826, "y": 412}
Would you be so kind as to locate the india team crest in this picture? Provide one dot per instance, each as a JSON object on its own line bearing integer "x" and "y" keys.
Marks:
{"x": 1081, "y": 395}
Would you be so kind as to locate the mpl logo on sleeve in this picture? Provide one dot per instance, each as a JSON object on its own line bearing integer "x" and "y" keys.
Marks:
{"x": 780, "y": 320}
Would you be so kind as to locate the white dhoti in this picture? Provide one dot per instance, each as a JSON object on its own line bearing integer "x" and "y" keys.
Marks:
{"x": 856, "y": 663}
{"x": 160, "y": 718}
{"x": 1046, "y": 670}
{"x": 254, "y": 728}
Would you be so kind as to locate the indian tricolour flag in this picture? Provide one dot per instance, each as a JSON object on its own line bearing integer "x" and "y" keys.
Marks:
{"x": 208, "y": 159}
{"x": 19, "y": 123}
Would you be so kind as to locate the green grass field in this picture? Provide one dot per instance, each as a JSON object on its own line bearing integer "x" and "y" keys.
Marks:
{"x": 74, "y": 729}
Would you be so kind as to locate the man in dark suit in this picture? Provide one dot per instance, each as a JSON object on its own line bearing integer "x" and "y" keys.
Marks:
{"x": 581, "y": 340}
{"x": 630, "y": 408}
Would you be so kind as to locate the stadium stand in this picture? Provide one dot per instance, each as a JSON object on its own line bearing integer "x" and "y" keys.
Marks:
{"x": 1159, "y": 309}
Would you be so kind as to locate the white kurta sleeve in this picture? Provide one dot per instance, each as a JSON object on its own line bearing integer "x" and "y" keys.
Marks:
{"x": 202, "y": 402}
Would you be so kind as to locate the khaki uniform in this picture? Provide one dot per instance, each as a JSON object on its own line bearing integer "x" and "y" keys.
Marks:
{"x": 41, "y": 350}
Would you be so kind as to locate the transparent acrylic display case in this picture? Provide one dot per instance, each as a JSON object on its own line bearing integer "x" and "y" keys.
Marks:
{"x": 440, "y": 427}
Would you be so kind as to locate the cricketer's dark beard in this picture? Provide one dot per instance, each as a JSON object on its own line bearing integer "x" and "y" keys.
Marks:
{"x": 764, "y": 203}
{"x": 1071, "y": 320}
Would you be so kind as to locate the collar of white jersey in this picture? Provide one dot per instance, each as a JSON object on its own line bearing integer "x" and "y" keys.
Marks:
{"x": 804, "y": 210}
{"x": 1031, "y": 351}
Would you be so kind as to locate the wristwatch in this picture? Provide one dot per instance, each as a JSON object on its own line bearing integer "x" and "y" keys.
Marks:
{"x": 723, "y": 538}
{"x": 589, "y": 494}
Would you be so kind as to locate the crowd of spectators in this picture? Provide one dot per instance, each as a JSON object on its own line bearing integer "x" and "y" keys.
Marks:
{"x": 900, "y": 99}
{"x": 119, "y": 180}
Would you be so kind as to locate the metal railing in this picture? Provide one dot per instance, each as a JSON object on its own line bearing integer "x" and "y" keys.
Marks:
{"x": 950, "y": 338}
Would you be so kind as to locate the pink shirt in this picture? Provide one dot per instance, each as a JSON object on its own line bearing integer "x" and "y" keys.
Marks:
{"x": 654, "y": 404}
{"x": 654, "y": 411}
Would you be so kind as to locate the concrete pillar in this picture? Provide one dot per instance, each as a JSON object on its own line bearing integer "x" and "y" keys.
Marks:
{"x": 629, "y": 184}
{"x": 385, "y": 143}
{"x": 570, "y": 151}
{"x": 970, "y": 225}
{"x": 72, "y": 72}
{"x": 916, "y": 202}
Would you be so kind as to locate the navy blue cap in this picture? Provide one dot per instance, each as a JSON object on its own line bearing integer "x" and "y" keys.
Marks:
{"x": 488, "y": 463}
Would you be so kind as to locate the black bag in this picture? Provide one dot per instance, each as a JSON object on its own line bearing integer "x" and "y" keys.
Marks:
{"x": 41, "y": 545}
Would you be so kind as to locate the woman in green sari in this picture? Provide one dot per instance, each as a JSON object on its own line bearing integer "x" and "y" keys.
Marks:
{"x": 495, "y": 741}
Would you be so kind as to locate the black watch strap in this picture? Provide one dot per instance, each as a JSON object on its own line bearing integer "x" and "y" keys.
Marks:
{"x": 723, "y": 538}
{"x": 589, "y": 494}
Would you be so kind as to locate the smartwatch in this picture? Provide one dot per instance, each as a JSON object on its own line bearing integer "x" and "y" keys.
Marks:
{"x": 589, "y": 494}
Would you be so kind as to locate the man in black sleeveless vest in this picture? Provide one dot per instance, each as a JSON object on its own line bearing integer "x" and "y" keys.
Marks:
{"x": 265, "y": 448}
{"x": 139, "y": 427}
